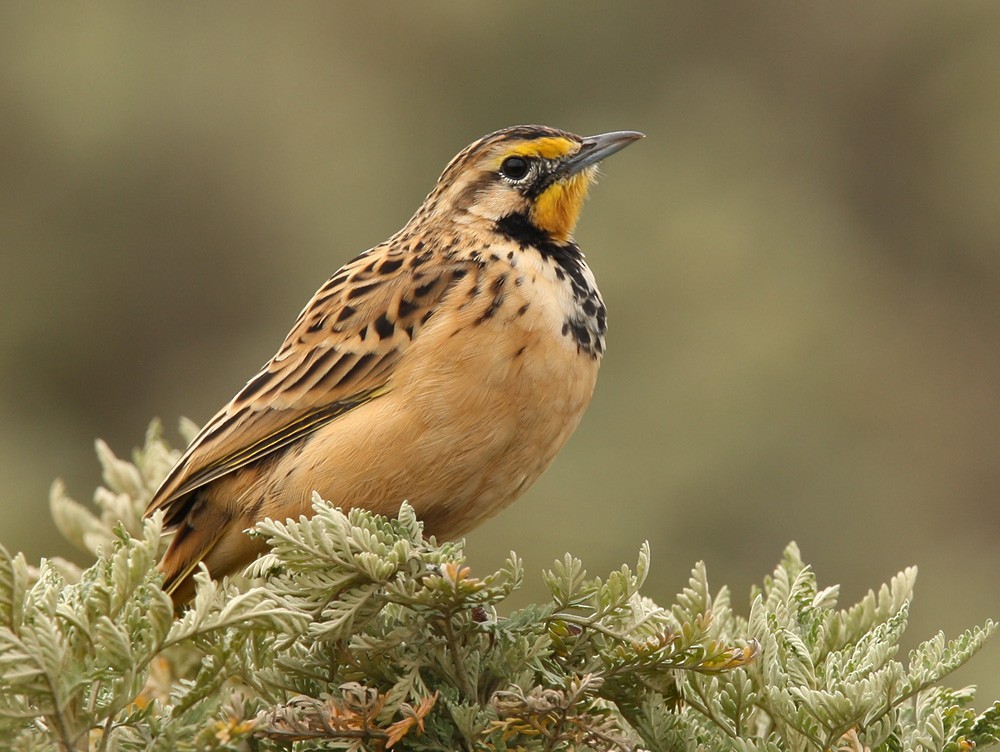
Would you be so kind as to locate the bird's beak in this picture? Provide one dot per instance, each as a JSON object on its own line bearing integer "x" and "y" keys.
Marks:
{"x": 595, "y": 148}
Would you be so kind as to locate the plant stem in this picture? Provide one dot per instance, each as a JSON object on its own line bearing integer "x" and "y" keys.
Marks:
{"x": 456, "y": 656}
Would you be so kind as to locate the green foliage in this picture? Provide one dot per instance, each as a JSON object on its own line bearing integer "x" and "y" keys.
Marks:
{"x": 355, "y": 632}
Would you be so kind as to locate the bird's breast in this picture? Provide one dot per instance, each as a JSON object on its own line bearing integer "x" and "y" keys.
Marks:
{"x": 477, "y": 408}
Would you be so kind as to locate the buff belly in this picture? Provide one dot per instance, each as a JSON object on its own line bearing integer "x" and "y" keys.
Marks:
{"x": 459, "y": 436}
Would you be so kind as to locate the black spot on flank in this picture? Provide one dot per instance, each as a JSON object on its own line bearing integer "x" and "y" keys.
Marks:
{"x": 520, "y": 351}
{"x": 356, "y": 292}
{"x": 423, "y": 258}
{"x": 331, "y": 287}
{"x": 363, "y": 332}
{"x": 390, "y": 265}
{"x": 579, "y": 331}
{"x": 383, "y": 327}
{"x": 326, "y": 293}
{"x": 475, "y": 291}
{"x": 419, "y": 246}
{"x": 510, "y": 255}
{"x": 522, "y": 310}
{"x": 422, "y": 290}
{"x": 496, "y": 287}
{"x": 317, "y": 323}
{"x": 586, "y": 339}
{"x": 406, "y": 307}
{"x": 458, "y": 274}
{"x": 589, "y": 307}
{"x": 345, "y": 313}
{"x": 560, "y": 274}
{"x": 423, "y": 319}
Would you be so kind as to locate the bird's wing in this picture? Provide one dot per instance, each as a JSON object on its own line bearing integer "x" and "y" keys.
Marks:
{"x": 340, "y": 354}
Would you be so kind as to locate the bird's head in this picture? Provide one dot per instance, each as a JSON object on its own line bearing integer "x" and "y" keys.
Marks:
{"x": 531, "y": 173}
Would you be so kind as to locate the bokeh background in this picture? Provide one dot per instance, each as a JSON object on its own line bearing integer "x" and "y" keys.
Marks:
{"x": 801, "y": 261}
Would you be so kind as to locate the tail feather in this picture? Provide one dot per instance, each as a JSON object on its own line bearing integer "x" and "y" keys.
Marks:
{"x": 223, "y": 546}
{"x": 180, "y": 562}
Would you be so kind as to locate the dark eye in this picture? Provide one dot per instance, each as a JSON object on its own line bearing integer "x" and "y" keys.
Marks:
{"x": 515, "y": 168}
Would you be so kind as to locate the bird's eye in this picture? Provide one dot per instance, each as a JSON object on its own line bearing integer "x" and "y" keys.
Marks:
{"x": 515, "y": 168}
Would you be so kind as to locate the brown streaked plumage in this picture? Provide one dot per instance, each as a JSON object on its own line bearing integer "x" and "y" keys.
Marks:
{"x": 445, "y": 367}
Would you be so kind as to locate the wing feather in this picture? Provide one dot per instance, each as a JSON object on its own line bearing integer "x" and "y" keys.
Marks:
{"x": 340, "y": 354}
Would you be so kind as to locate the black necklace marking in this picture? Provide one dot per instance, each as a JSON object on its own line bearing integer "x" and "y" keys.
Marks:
{"x": 588, "y": 324}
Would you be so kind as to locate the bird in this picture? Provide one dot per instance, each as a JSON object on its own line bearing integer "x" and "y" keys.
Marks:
{"x": 445, "y": 367}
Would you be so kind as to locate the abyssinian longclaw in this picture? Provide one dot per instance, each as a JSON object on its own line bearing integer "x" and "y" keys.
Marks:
{"x": 445, "y": 367}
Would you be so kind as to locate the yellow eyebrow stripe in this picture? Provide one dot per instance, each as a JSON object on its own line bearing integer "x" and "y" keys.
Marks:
{"x": 550, "y": 147}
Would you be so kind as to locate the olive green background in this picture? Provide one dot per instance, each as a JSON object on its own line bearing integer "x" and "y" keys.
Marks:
{"x": 801, "y": 262}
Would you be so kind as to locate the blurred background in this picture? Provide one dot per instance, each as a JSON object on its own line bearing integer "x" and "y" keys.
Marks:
{"x": 801, "y": 262}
